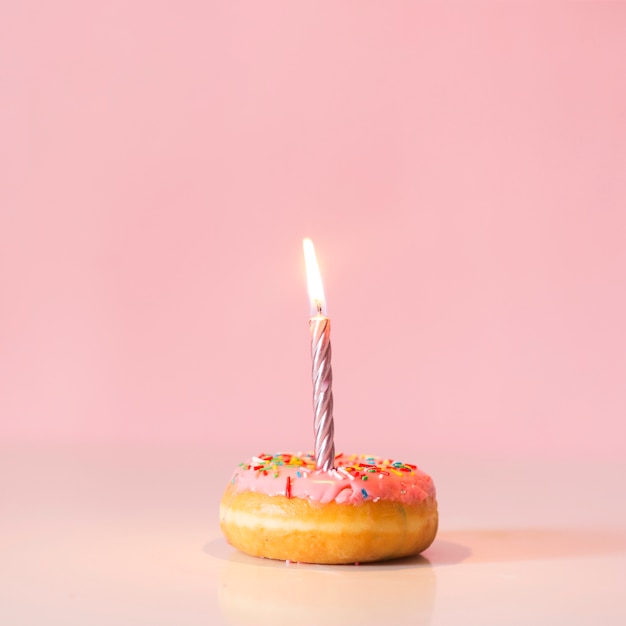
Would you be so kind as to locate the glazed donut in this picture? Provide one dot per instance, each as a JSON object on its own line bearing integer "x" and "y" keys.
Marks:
{"x": 364, "y": 509}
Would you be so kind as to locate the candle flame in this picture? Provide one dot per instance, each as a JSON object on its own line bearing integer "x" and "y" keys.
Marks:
{"x": 314, "y": 279}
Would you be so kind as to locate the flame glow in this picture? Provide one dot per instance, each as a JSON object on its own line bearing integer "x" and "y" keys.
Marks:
{"x": 314, "y": 279}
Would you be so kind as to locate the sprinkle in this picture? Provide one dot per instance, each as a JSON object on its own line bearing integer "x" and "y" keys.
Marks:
{"x": 364, "y": 493}
{"x": 343, "y": 471}
{"x": 288, "y": 487}
{"x": 364, "y": 477}
{"x": 299, "y": 474}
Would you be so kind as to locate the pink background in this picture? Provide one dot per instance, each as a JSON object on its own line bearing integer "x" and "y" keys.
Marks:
{"x": 461, "y": 169}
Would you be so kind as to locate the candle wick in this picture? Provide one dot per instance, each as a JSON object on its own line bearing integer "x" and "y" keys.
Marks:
{"x": 318, "y": 306}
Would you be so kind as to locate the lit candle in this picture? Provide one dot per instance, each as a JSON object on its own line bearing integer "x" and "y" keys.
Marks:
{"x": 319, "y": 325}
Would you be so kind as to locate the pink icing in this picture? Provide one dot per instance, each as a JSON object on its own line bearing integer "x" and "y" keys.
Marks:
{"x": 353, "y": 480}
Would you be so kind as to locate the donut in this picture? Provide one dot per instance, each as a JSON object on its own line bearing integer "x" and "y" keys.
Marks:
{"x": 364, "y": 509}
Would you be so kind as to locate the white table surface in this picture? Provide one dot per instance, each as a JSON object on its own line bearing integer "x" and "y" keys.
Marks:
{"x": 97, "y": 536}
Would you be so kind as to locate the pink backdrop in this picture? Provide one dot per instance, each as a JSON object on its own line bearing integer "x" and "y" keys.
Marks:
{"x": 461, "y": 169}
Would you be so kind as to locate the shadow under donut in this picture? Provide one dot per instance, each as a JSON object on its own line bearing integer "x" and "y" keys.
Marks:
{"x": 263, "y": 591}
